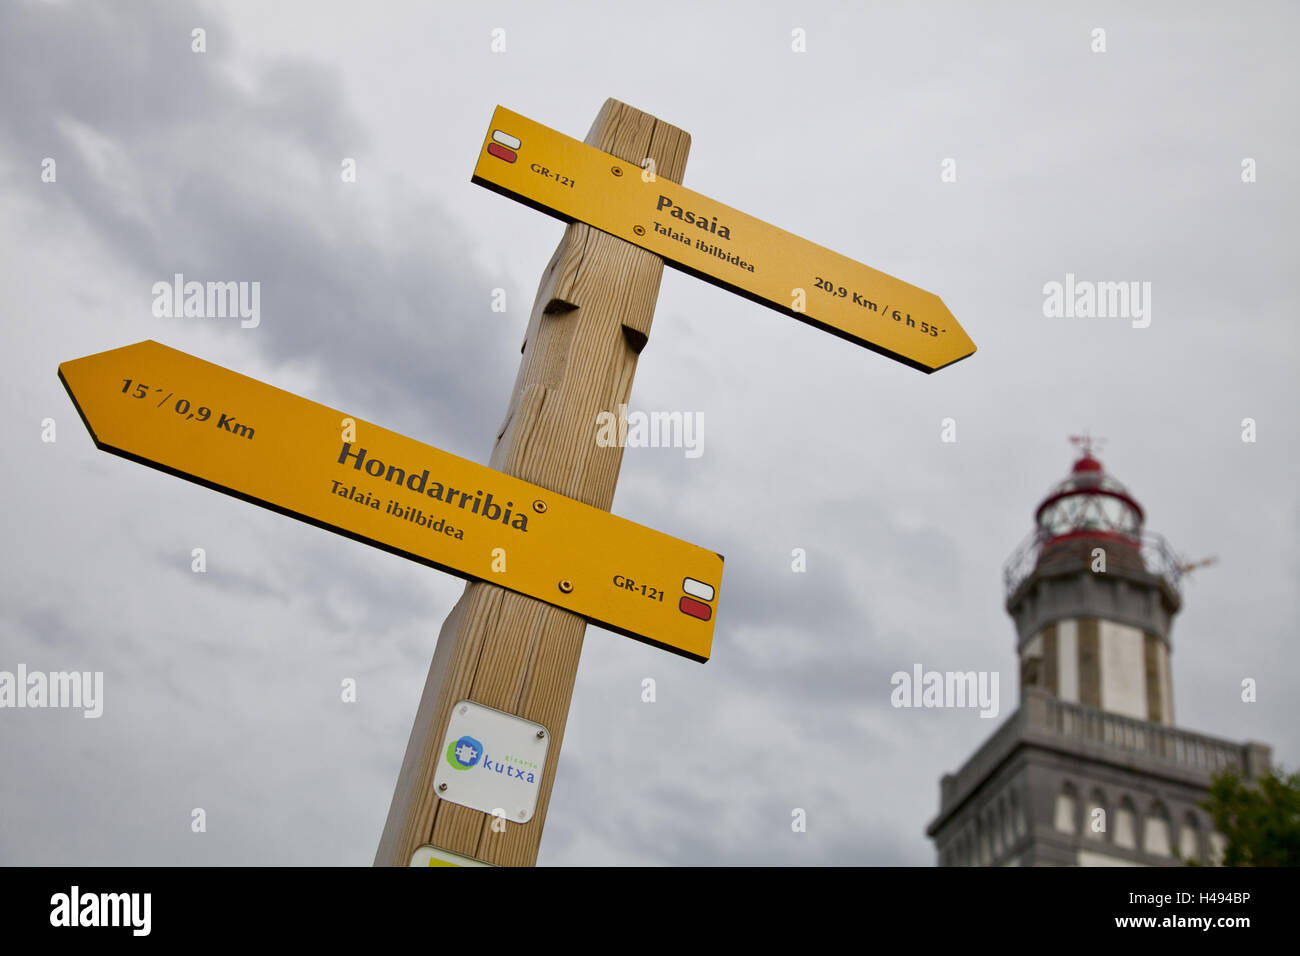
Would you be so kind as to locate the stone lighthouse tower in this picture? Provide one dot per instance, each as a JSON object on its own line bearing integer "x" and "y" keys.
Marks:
{"x": 1093, "y": 598}
{"x": 1090, "y": 769}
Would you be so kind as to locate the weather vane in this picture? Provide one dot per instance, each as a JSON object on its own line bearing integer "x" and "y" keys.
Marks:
{"x": 1088, "y": 443}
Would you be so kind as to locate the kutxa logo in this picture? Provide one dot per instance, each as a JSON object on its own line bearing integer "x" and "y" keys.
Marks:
{"x": 466, "y": 753}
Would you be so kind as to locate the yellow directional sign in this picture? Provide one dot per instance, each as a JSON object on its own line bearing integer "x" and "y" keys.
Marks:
{"x": 569, "y": 179}
{"x": 190, "y": 418}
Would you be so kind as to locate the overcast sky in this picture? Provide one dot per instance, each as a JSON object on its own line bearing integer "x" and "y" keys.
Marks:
{"x": 222, "y": 689}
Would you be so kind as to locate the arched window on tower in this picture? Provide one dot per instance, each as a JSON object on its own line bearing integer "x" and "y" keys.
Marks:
{"x": 1066, "y": 807}
{"x": 1156, "y": 836}
{"x": 1189, "y": 838}
{"x": 1125, "y": 831}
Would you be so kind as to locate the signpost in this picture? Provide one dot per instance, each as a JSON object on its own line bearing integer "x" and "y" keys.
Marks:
{"x": 575, "y": 181}
{"x": 589, "y": 323}
{"x": 532, "y": 533}
{"x": 188, "y": 417}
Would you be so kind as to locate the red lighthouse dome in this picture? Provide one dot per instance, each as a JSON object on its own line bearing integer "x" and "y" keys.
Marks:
{"x": 1089, "y": 510}
{"x": 1089, "y": 502}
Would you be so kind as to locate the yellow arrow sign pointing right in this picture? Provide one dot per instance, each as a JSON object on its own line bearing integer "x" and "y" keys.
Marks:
{"x": 567, "y": 178}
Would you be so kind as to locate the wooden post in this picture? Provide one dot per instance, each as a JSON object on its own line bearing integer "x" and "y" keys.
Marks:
{"x": 590, "y": 321}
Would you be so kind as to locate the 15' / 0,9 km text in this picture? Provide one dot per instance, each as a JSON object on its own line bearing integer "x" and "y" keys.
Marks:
{"x": 183, "y": 407}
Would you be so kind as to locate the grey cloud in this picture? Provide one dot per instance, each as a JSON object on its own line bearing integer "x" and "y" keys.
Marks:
{"x": 224, "y": 692}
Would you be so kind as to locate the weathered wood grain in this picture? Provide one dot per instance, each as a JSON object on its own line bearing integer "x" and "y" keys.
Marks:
{"x": 589, "y": 323}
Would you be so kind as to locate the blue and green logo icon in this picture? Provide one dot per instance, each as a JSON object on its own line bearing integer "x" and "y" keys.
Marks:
{"x": 464, "y": 753}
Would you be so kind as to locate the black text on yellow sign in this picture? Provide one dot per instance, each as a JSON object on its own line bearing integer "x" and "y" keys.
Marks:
{"x": 173, "y": 411}
{"x": 569, "y": 179}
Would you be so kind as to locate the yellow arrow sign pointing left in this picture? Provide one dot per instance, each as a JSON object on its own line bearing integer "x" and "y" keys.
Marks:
{"x": 190, "y": 418}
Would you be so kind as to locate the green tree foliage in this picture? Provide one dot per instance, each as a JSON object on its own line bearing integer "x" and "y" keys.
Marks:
{"x": 1260, "y": 819}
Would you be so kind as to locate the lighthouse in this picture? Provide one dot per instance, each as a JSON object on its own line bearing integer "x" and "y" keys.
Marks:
{"x": 1093, "y": 596}
{"x": 1091, "y": 769}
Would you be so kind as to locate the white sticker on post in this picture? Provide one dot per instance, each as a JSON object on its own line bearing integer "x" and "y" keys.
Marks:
{"x": 492, "y": 761}
{"x": 436, "y": 856}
